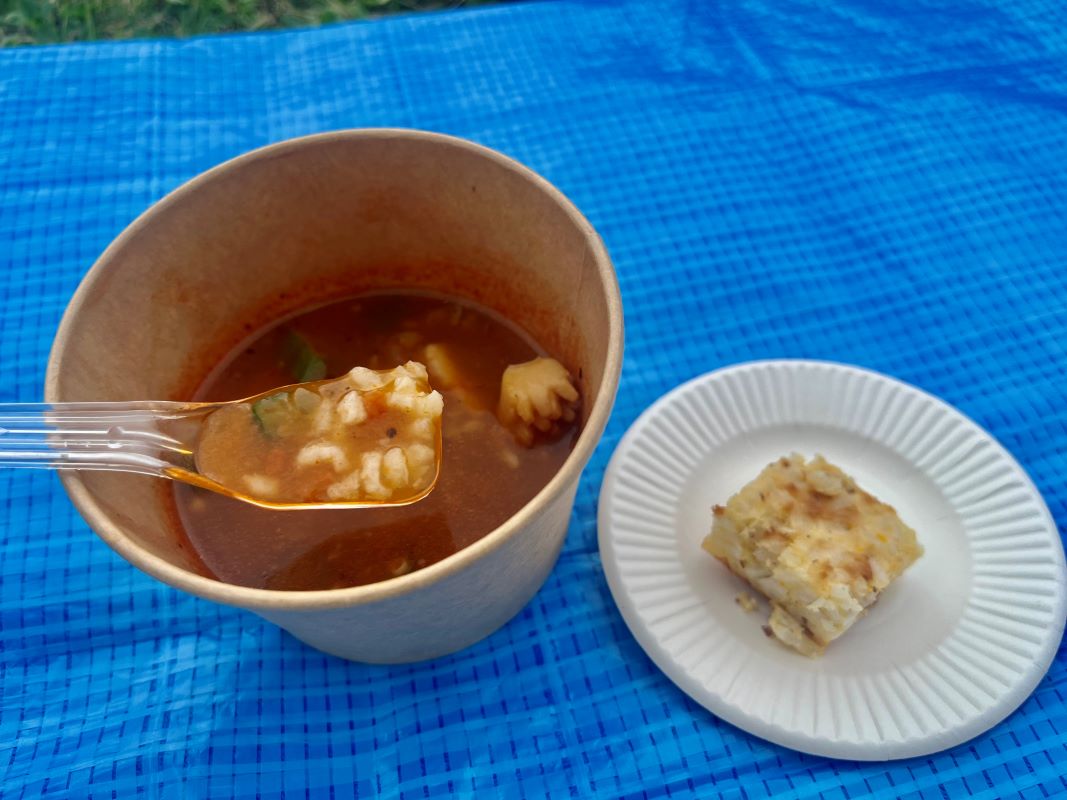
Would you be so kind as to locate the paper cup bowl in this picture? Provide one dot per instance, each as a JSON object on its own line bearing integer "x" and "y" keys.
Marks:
{"x": 306, "y": 221}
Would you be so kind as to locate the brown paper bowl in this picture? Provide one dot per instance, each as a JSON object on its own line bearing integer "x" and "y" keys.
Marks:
{"x": 305, "y": 221}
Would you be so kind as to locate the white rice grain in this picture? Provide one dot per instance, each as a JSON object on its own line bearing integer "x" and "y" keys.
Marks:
{"x": 262, "y": 486}
{"x": 395, "y": 468}
{"x": 421, "y": 429}
{"x": 351, "y": 409}
{"x": 371, "y": 476}
{"x": 364, "y": 379}
{"x": 323, "y": 420}
{"x": 421, "y": 461}
{"x": 306, "y": 401}
{"x": 346, "y": 489}
{"x": 322, "y": 453}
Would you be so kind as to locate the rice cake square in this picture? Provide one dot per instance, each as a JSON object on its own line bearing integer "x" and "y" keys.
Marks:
{"x": 815, "y": 544}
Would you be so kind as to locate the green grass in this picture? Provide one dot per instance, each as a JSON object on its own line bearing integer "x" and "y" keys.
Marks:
{"x": 40, "y": 21}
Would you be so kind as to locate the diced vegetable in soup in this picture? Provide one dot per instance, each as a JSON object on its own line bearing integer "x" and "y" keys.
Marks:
{"x": 370, "y": 436}
{"x": 510, "y": 417}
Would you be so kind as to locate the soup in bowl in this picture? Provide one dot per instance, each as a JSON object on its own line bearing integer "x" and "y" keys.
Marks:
{"x": 367, "y": 248}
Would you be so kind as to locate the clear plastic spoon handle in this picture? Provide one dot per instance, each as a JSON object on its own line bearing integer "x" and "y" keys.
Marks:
{"x": 147, "y": 437}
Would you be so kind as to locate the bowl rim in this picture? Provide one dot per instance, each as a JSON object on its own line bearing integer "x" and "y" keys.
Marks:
{"x": 315, "y": 600}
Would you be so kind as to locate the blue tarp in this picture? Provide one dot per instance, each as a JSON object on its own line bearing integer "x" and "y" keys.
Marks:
{"x": 879, "y": 184}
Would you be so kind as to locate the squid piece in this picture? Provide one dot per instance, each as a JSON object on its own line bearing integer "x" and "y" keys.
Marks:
{"x": 537, "y": 397}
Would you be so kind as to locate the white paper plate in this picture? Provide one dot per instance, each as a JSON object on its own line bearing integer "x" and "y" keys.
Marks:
{"x": 953, "y": 647}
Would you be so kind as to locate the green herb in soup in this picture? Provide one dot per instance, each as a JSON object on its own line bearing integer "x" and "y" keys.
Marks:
{"x": 509, "y": 420}
{"x": 303, "y": 361}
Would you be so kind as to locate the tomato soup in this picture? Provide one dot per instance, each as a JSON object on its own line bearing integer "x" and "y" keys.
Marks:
{"x": 503, "y": 438}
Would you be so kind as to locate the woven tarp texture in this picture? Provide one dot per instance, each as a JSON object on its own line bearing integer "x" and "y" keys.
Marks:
{"x": 877, "y": 184}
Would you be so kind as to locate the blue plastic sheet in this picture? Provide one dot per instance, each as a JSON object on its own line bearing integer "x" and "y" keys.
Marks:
{"x": 880, "y": 184}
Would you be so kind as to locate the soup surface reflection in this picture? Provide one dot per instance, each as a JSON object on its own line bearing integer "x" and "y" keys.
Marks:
{"x": 486, "y": 474}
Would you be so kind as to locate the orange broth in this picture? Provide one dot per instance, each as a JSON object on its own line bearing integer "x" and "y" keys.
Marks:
{"x": 485, "y": 475}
